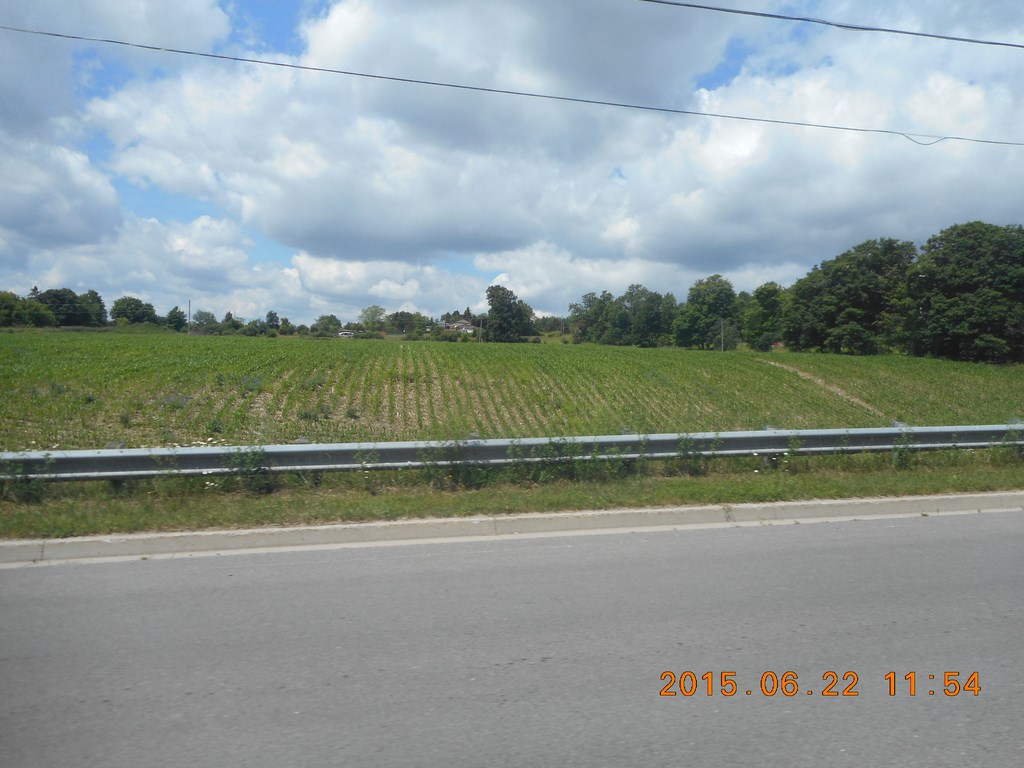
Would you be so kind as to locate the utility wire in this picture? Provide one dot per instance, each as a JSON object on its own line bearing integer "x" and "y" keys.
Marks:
{"x": 917, "y": 138}
{"x": 836, "y": 24}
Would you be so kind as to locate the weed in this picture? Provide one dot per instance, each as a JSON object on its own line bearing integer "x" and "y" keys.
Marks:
{"x": 252, "y": 472}
{"x": 313, "y": 383}
{"x": 1010, "y": 452}
{"x": 178, "y": 402}
{"x": 250, "y": 385}
{"x": 446, "y": 468}
{"x": 690, "y": 461}
{"x": 19, "y": 485}
{"x": 903, "y": 455}
{"x": 368, "y": 477}
{"x": 321, "y": 412}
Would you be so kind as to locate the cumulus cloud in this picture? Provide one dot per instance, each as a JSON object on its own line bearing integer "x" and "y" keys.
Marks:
{"x": 345, "y": 287}
{"x": 204, "y": 261}
{"x": 51, "y": 196}
{"x": 418, "y": 197}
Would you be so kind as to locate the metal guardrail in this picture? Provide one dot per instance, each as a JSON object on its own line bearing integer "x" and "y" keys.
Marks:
{"x": 140, "y": 463}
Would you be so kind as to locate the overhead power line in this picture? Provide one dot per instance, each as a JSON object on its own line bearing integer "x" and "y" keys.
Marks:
{"x": 836, "y": 24}
{"x": 917, "y": 138}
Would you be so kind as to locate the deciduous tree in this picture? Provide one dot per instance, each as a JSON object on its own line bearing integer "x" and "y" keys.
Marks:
{"x": 176, "y": 319}
{"x": 849, "y": 304}
{"x": 67, "y": 306}
{"x": 17, "y": 311}
{"x": 964, "y": 297}
{"x": 205, "y": 322}
{"x": 326, "y": 325}
{"x": 372, "y": 318}
{"x": 709, "y": 310}
{"x": 93, "y": 302}
{"x": 509, "y": 318}
{"x": 133, "y": 310}
{"x": 762, "y": 319}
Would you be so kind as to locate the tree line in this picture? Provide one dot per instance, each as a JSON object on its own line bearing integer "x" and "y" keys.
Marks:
{"x": 62, "y": 307}
{"x": 961, "y": 297}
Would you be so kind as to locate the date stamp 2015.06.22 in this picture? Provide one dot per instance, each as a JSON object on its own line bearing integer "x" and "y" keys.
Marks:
{"x": 689, "y": 684}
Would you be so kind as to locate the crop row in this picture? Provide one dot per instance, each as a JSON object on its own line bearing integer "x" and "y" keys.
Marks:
{"x": 85, "y": 390}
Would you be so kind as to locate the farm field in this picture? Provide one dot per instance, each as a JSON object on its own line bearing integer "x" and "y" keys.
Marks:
{"x": 86, "y": 390}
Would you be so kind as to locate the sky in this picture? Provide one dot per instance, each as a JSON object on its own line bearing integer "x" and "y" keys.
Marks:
{"x": 231, "y": 186}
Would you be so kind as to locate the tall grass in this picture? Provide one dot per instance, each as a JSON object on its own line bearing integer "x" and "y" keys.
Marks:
{"x": 245, "y": 499}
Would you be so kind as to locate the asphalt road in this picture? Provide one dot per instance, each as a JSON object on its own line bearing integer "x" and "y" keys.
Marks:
{"x": 529, "y": 652}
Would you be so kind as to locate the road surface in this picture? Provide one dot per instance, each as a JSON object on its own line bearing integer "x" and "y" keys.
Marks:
{"x": 531, "y": 652}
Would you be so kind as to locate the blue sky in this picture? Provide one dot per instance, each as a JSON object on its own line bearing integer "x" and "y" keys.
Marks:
{"x": 249, "y": 188}
{"x": 273, "y": 24}
{"x": 729, "y": 67}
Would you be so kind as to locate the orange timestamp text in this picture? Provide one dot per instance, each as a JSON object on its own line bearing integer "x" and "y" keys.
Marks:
{"x": 833, "y": 684}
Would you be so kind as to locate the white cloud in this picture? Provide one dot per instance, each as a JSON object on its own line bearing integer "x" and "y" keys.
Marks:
{"x": 945, "y": 100}
{"x": 346, "y": 287}
{"x": 419, "y": 197}
{"x": 51, "y": 196}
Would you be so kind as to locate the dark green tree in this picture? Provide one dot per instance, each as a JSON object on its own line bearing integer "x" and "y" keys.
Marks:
{"x": 15, "y": 311}
{"x": 254, "y": 328}
{"x": 550, "y": 324}
{"x": 589, "y": 319}
{"x": 10, "y": 309}
{"x": 964, "y": 297}
{"x": 67, "y": 307}
{"x": 326, "y": 325}
{"x": 205, "y": 322}
{"x": 272, "y": 321}
{"x": 230, "y": 324}
{"x": 93, "y": 302}
{"x": 649, "y": 316}
{"x": 133, "y": 310}
{"x": 762, "y": 317}
{"x": 404, "y": 322}
{"x": 849, "y": 304}
{"x": 509, "y": 317}
{"x": 706, "y": 320}
{"x": 176, "y": 319}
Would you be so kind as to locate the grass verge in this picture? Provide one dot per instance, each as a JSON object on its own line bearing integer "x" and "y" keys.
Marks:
{"x": 172, "y": 504}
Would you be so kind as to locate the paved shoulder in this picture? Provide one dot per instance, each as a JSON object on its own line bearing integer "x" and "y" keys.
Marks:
{"x": 25, "y": 552}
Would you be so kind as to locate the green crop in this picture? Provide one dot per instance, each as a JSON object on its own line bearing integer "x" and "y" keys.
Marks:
{"x": 75, "y": 390}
